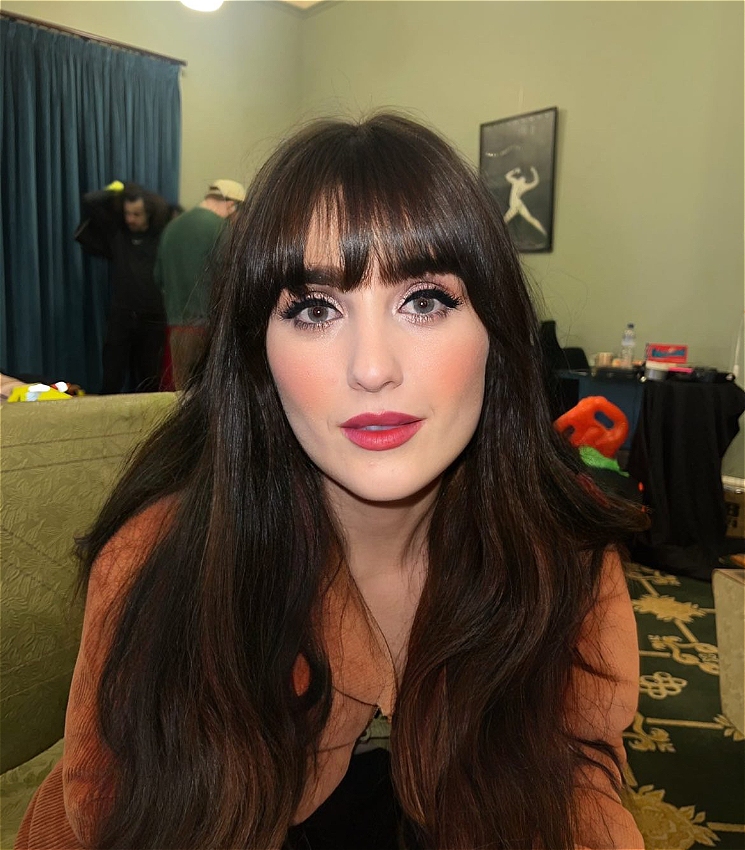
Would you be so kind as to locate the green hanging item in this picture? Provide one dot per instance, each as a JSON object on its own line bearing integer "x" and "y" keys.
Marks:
{"x": 592, "y": 457}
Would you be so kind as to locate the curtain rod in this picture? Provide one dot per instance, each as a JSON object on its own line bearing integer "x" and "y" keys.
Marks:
{"x": 89, "y": 36}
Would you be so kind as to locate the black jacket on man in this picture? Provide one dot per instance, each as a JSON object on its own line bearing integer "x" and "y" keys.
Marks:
{"x": 135, "y": 335}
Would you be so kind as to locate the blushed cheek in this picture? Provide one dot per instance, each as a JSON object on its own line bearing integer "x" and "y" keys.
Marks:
{"x": 302, "y": 387}
{"x": 461, "y": 376}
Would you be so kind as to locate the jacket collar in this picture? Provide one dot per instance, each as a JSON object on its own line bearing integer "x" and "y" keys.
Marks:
{"x": 361, "y": 662}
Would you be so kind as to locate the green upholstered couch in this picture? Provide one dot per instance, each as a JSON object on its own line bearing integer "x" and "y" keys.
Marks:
{"x": 58, "y": 461}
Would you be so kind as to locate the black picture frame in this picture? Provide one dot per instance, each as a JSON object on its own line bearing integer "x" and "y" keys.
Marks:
{"x": 514, "y": 153}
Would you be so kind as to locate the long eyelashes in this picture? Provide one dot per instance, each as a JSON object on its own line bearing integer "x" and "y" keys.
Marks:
{"x": 434, "y": 293}
{"x": 428, "y": 304}
{"x": 294, "y": 308}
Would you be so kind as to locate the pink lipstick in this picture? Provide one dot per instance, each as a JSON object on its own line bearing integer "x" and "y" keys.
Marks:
{"x": 378, "y": 432}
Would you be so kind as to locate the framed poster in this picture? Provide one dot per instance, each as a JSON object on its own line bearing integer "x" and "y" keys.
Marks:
{"x": 516, "y": 160}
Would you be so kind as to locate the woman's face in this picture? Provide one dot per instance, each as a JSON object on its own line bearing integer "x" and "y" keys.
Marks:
{"x": 383, "y": 385}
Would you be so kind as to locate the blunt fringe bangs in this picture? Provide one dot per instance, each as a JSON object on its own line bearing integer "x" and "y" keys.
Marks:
{"x": 387, "y": 191}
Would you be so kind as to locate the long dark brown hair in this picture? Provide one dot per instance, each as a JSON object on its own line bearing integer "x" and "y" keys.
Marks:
{"x": 212, "y": 742}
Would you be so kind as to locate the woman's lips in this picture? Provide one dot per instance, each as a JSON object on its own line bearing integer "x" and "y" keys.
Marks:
{"x": 379, "y": 432}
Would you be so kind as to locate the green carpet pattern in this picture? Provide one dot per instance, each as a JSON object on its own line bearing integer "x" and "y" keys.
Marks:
{"x": 686, "y": 770}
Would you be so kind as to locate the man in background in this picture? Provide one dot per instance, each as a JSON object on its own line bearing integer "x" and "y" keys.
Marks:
{"x": 123, "y": 223}
{"x": 181, "y": 271}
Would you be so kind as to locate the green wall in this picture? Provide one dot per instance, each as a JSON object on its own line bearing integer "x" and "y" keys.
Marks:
{"x": 239, "y": 89}
{"x": 649, "y": 193}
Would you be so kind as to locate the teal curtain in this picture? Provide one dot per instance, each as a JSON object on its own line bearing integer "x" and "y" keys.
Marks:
{"x": 74, "y": 116}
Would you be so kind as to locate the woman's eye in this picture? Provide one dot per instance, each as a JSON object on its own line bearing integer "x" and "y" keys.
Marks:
{"x": 424, "y": 305}
{"x": 427, "y": 303}
{"x": 311, "y": 312}
{"x": 316, "y": 315}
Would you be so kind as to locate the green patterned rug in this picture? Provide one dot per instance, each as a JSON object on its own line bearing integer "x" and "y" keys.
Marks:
{"x": 686, "y": 768}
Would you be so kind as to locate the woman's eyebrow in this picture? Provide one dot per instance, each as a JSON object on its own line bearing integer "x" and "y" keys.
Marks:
{"x": 323, "y": 276}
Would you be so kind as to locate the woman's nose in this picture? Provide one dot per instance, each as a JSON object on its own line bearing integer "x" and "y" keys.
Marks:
{"x": 373, "y": 362}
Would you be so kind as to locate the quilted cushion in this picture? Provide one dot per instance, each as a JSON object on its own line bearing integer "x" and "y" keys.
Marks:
{"x": 59, "y": 461}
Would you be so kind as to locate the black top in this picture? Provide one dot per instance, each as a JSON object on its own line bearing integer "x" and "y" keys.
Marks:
{"x": 103, "y": 232}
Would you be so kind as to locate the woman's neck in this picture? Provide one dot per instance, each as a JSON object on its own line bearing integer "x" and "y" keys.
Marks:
{"x": 387, "y": 557}
{"x": 383, "y": 538}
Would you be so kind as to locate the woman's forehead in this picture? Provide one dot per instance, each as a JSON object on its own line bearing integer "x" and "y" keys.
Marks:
{"x": 322, "y": 245}
{"x": 324, "y": 259}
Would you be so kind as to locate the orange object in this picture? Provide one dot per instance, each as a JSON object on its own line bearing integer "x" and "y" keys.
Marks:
{"x": 583, "y": 427}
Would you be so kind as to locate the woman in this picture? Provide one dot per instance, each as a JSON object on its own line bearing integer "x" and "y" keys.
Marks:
{"x": 360, "y": 506}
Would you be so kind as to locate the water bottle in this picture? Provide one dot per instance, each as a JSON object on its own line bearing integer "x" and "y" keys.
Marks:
{"x": 628, "y": 343}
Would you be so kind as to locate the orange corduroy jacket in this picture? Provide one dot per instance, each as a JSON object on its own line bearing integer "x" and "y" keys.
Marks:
{"x": 69, "y": 805}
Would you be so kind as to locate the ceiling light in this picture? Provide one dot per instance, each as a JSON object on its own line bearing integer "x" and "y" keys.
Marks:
{"x": 203, "y": 5}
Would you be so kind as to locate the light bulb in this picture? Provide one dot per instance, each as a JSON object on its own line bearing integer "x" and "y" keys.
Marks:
{"x": 203, "y": 5}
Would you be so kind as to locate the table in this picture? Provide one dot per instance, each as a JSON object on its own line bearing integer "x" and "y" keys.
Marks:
{"x": 683, "y": 432}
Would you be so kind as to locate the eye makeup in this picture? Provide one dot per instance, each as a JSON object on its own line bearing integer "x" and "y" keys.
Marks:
{"x": 425, "y": 301}
{"x": 319, "y": 309}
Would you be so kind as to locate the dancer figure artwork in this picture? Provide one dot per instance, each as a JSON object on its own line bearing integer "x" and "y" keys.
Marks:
{"x": 517, "y": 164}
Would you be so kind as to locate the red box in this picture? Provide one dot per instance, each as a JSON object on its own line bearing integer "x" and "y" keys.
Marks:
{"x": 657, "y": 352}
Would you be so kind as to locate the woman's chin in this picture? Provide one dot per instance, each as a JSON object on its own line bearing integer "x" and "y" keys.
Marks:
{"x": 383, "y": 491}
